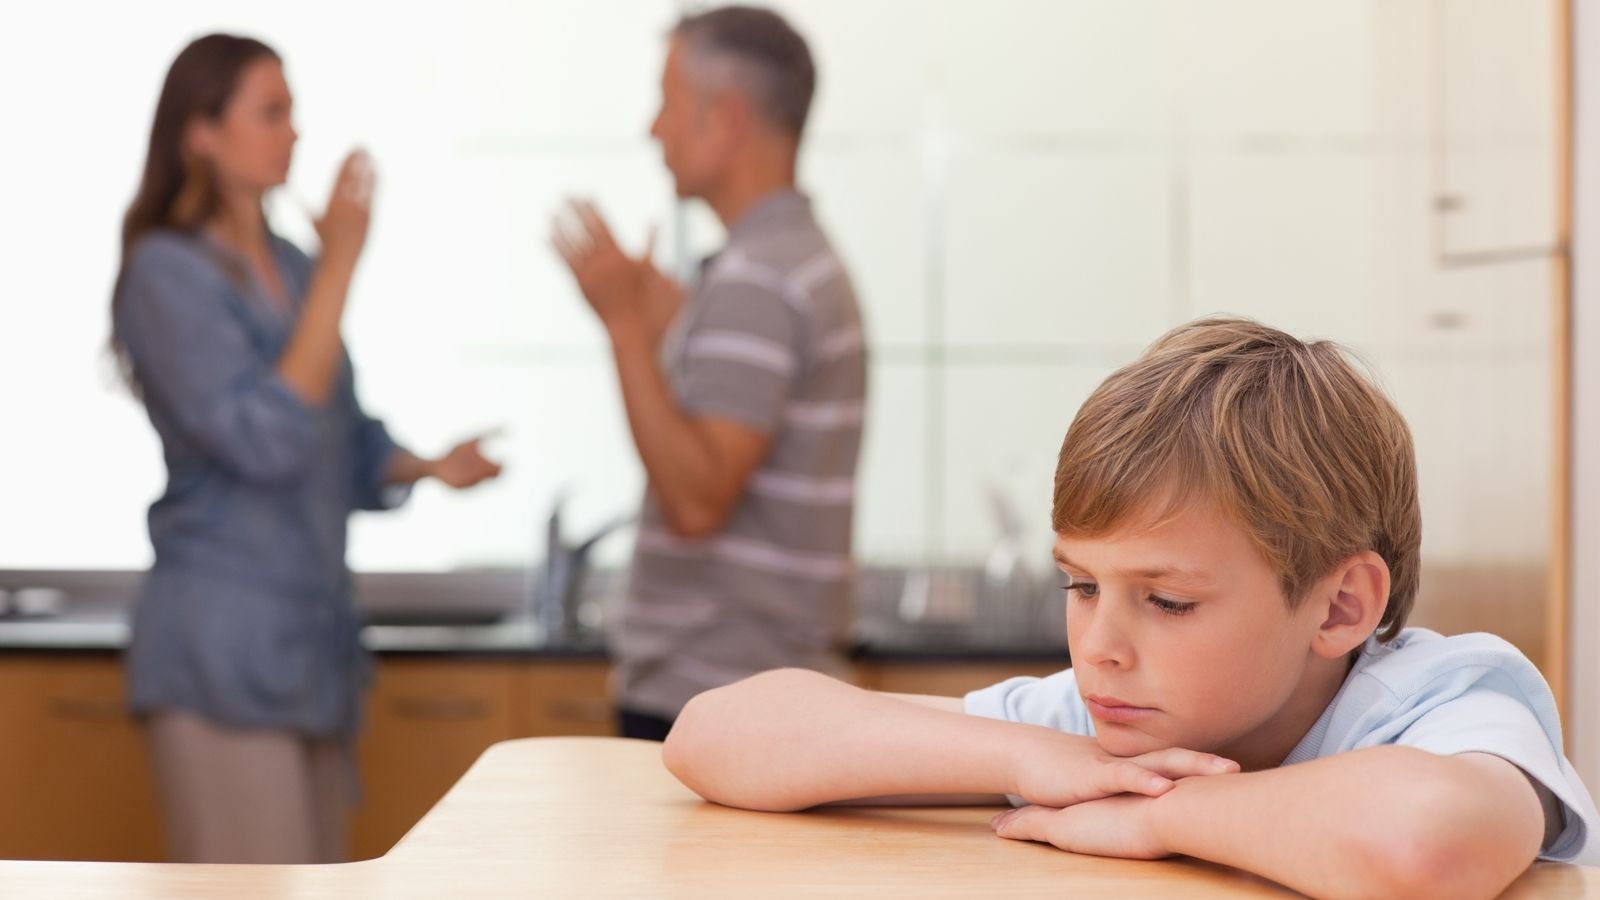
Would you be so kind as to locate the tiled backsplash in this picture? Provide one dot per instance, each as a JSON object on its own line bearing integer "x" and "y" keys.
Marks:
{"x": 1026, "y": 192}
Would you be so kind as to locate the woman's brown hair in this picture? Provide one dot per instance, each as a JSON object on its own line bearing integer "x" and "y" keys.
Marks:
{"x": 178, "y": 190}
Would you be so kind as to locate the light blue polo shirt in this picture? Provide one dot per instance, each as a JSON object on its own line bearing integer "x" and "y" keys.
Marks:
{"x": 1471, "y": 693}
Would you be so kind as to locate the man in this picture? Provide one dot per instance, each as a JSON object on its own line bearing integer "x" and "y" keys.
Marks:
{"x": 746, "y": 403}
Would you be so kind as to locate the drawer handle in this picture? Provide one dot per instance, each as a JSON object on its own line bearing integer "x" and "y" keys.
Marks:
{"x": 573, "y": 710}
{"x": 453, "y": 709}
{"x": 88, "y": 709}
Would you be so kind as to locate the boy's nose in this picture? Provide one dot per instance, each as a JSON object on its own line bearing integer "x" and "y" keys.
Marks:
{"x": 1101, "y": 638}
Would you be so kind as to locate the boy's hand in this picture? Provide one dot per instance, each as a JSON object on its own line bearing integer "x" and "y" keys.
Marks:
{"x": 1068, "y": 769}
{"x": 1122, "y": 826}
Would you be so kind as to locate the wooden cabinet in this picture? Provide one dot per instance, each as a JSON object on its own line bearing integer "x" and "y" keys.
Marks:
{"x": 76, "y": 780}
{"x": 566, "y": 697}
{"x": 429, "y": 719}
{"x": 75, "y": 775}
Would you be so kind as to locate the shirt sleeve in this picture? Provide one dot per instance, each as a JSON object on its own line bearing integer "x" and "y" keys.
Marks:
{"x": 741, "y": 356}
{"x": 374, "y": 449}
{"x": 1493, "y": 718}
{"x": 1051, "y": 701}
{"x": 195, "y": 361}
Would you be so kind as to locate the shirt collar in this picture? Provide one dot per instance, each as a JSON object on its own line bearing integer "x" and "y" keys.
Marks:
{"x": 776, "y": 209}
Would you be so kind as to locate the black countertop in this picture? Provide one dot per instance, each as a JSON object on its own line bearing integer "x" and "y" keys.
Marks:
{"x": 93, "y": 618}
{"x": 517, "y": 640}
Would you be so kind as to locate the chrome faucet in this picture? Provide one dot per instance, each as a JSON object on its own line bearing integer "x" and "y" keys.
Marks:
{"x": 558, "y": 590}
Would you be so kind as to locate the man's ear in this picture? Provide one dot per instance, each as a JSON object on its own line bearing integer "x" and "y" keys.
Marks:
{"x": 734, "y": 118}
{"x": 1351, "y": 601}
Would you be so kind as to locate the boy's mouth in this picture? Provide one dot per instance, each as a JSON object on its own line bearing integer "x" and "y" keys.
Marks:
{"x": 1110, "y": 709}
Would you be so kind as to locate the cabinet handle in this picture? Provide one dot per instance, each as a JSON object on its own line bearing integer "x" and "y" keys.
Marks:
{"x": 452, "y": 709}
{"x": 579, "y": 710}
{"x": 88, "y": 709}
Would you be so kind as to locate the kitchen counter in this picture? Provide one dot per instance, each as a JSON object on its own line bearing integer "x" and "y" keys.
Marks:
{"x": 481, "y": 615}
{"x": 601, "y": 817}
{"x": 512, "y": 639}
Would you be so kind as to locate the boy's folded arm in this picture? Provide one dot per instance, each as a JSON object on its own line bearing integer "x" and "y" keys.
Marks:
{"x": 792, "y": 739}
{"x": 927, "y": 800}
{"x": 1387, "y": 820}
{"x": 948, "y": 704}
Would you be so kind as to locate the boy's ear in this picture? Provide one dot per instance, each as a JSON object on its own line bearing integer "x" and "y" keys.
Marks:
{"x": 1354, "y": 596}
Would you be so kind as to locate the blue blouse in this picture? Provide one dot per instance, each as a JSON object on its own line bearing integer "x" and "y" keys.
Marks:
{"x": 248, "y": 616}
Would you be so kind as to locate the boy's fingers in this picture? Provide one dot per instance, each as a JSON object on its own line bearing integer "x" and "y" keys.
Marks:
{"x": 1124, "y": 776}
{"x": 1027, "y": 823}
{"x": 1176, "y": 762}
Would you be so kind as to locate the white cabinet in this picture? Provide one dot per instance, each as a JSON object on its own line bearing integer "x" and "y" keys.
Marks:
{"x": 1498, "y": 126}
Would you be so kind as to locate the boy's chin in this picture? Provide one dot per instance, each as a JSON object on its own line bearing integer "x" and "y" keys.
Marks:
{"x": 1120, "y": 740}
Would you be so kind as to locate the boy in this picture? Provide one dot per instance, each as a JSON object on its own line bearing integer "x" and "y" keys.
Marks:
{"x": 1237, "y": 521}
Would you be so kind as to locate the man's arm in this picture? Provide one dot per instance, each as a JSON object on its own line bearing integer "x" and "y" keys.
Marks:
{"x": 1385, "y": 821}
{"x": 698, "y": 465}
{"x": 791, "y": 739}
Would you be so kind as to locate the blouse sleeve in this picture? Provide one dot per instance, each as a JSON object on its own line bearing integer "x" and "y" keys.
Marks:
{"x": 194, "y": 360}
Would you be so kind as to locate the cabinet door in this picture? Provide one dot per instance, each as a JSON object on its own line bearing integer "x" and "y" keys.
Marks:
{"x": 571, "y": 697}
{"x": 1499, "y": 129}
{"x": 945, "y": 678}
{"x": 75, "y": 775}
{"x": 428, "y": 721}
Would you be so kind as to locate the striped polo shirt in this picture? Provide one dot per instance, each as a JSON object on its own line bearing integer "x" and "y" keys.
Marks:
{"x": 771, "y": 338}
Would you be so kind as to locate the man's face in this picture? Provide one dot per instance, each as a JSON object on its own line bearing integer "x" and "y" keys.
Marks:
{"x": 1181, "y": 637}
{"x": 689, "y": 128}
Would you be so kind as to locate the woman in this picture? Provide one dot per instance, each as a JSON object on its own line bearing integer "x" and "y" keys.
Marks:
{"x": 245, "y": 660}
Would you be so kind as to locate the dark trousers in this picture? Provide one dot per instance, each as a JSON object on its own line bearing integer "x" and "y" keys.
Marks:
{"x": 646, "y": 726}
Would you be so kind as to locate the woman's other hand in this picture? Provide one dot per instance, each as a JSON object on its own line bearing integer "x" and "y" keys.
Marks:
{"x": 464, "y": 466}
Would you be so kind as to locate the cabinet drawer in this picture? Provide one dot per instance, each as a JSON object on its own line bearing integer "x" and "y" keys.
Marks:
{"x": 427, "y": 721}
{"x": 556, "y": 698}
{"x": 75, "y": 769}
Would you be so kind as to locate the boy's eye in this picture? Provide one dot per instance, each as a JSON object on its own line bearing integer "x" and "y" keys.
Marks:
{"x": 1171, "y": 607}
{"x": 1088, "y": 590}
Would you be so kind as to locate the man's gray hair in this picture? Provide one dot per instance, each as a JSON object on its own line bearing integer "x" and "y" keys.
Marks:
{"x": 756, "y": 52}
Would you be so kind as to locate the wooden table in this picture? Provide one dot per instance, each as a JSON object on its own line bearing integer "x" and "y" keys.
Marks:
{"x": 563, "y": 817}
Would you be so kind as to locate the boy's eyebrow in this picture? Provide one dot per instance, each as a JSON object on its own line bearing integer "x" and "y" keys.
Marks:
{"x": 1151, "y": 573}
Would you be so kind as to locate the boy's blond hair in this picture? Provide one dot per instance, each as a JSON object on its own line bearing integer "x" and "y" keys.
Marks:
{"x": 1287, "y": 438}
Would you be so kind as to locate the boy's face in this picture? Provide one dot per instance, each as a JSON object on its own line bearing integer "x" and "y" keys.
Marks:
{"x": 1181, "y": 638}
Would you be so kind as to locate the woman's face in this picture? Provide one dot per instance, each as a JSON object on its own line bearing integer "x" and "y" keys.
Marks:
{"x": 251, "y": 145}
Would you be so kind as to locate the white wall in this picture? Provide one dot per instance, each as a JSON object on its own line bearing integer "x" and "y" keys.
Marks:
{"x": 1026, "y": 191}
